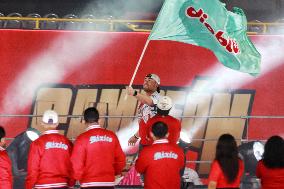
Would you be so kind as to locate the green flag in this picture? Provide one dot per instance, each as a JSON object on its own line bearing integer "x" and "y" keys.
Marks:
{"x": 209, "y": 24}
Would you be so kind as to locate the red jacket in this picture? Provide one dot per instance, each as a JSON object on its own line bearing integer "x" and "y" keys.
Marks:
{"x": 174, "y": 127}
{"x": 49, "y": 163}
{"x": 271, "y": 178}
{"x": 6, "y": 178}
{"x": 217, "y": 175}
{"x": 161, "y": 164}
{"x": 97, "y": 157}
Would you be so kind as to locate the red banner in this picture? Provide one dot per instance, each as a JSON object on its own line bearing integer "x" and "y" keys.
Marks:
{"x": 69, "y": 71}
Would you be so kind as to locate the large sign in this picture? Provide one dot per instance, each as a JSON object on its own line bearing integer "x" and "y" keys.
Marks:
{"x": 69, "y": 71}
{"x": 189, "y": 102}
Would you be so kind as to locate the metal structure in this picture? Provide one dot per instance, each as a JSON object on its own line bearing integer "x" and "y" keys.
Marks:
{"x": 254, "y": 27}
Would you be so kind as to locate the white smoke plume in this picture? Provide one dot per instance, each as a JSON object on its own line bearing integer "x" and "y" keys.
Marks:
{"x": 65, "y": 54}
{"x": 272, "y": 58}
{"x": 126, "y": 133}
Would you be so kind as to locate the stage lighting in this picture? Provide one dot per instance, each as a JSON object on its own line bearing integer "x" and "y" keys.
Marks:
{"x": 18, "y": 152}
{"x": 251, "y": 153}
{"x": 184, "y": 137}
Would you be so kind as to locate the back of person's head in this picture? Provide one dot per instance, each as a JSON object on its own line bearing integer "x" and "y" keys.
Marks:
{"x": 159, "y": 129}
{"x": 91, "y": 115}
{"x": 164, "y": 105}
{"x": 2, "y": 132}
{"x": 227, "y": 156}
{"x": 273, "y": 156}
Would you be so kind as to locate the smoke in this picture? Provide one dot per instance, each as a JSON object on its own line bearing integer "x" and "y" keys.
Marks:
{"x": 64, "y": 55}
{"x": 271, "y": 58}
{"x": 127, "y": 9}
{"x": 223, "y": 78}
{"x": 125, "y": 134}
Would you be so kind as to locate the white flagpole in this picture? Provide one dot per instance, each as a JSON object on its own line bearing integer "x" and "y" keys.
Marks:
{"x": 138, "y": 64}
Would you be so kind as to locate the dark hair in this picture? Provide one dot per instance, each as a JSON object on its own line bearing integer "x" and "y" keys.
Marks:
{"x": 227, "y": 156}
{"x": 2, "y": 132}
{"x": 163, "y": 112}
{"x": 159, "y": 129}
{"x": 91, "y": 115}
{"x": 273, "y": 156}
{"x": 158, "y": 89}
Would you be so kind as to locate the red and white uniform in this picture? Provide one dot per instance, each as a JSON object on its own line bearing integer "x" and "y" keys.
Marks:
{"x": 217, "y": 175}
{"x": 271, "y": 178}
{"x": 97, "y": 157}
{"x": 145, "y": 112}
{"x": 161, "y": 164}
{"x": 6, "y": 179}
{"x": 49, "y": 164}
{"x": 174, "y": 127}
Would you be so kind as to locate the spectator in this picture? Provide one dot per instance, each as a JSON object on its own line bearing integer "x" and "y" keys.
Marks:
{"x": 227, "y": 168}
{"x": 97, "y": 155}
{"x": 161, "y": 162}
{"x": 164, "y": 106}
{"x": 270, "y": 169}
{"x": 6, "y": 179}
{"x": 146, "y": 108}
{"x": 49, "y": 163}
{"x": 18, "y": 151}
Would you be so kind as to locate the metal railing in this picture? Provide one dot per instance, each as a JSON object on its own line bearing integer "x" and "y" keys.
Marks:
{"x": 131, "y": 24}
{"x": 137, "y": 25}
{"x": 131, "y": 116}
{"x": 182, "y": 117}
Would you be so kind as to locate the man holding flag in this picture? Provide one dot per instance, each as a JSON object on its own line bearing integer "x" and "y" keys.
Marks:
{"x": 146, "y": 108}
{"x": 208, "y": 24}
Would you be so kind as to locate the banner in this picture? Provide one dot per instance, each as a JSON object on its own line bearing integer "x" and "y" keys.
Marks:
{"x": 209, "y": 24}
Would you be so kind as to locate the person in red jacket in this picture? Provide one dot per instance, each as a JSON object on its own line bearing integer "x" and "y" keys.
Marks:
{"x": 161, "y": 162}
{"x": 6, "y": 179}
{"x": 227, "y": 168}
{"x": 97, "y": 155}
{"x": 270, "y": 169}
{"x": 49, "y": 164}
{"x": 164, "y": 106}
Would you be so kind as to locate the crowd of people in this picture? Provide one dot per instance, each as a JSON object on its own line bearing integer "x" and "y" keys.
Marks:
{"x": 96, "y": 158}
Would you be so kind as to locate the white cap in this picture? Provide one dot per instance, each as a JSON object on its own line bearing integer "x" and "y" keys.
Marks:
{"x": 165, "y": 103}
{"x": 50, "y": 117}
{"x": 154, "y": 77}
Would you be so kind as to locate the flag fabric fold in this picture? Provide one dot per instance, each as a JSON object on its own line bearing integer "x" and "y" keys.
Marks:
{"x": 209, "y": 24}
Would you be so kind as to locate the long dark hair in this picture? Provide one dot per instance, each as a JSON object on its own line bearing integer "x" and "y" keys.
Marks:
{"x": 273, "y": 156}
{"x": 227, "y": 156}
{"x": 2, "y": 132}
